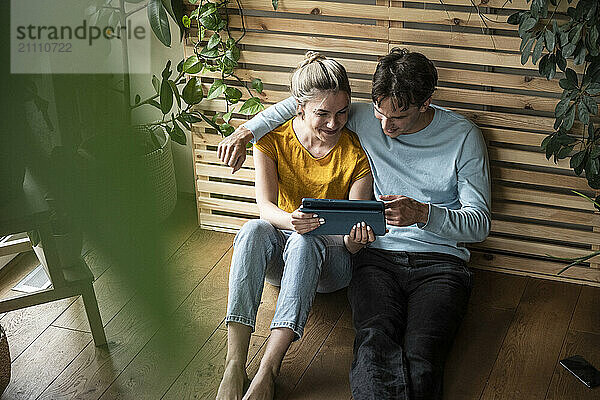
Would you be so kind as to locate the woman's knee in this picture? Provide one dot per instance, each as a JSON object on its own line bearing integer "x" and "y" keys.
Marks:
{"x": 255, "y": 231}
{"x": 308, "y": 247}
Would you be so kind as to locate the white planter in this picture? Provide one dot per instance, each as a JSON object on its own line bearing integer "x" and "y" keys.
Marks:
{"x": 161, "y": 174}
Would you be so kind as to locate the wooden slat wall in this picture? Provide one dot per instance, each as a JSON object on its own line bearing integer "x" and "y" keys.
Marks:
{"x": 534, "y": 214}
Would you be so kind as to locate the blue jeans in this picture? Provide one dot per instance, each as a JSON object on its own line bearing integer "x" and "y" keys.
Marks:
{"x": 406, "y": 309}
{"x": 300, "y": 264}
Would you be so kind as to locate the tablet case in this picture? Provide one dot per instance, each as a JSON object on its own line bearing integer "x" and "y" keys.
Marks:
{"x": 341, "y": 215}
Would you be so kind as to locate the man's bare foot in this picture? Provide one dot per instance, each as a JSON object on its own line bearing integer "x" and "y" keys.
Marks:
{"x": 262, "y": 386}
{"x": 234, "y": 381}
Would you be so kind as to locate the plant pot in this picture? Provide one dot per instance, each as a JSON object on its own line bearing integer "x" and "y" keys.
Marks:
{"x": 161, "y": 176}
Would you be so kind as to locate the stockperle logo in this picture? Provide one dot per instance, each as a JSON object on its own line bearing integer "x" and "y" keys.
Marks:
{"x": 79, "y": 36}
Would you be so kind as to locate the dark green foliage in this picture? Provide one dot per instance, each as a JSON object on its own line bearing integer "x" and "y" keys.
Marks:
{"x": 550, "y": 39}
{"x": 215, "y": 51}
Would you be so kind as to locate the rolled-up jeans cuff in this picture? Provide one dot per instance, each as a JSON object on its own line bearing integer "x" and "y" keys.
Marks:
{"x": 240, "y": 320}
{"x": 298, "y": 331}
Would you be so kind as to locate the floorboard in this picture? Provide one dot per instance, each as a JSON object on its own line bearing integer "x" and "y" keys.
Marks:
{"x": 159, "y": 363}
{"x": 327, "y": 377}
{"x": 529, "y": 353}
{"x": 43, "y": 361}
{"x": 515, "y": 331}
{"x": 564, "y": 385}
{"x": 201, "y": 377}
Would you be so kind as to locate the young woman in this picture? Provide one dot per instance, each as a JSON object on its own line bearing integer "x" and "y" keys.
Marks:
{"x": 311, "y": 155}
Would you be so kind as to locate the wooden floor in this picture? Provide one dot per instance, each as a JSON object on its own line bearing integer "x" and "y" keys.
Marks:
{"x": 515, "y": 332}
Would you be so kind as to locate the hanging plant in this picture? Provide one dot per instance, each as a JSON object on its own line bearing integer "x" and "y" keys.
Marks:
{"x": 215, "y": 50}
{"x": 550, "y": 41}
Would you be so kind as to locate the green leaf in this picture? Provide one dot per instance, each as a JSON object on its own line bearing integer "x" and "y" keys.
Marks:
{"x": 177, "y": 134}
{"x": 561, "y": 62}
{"x": 561, "y": 107}
{"x": 251, "y": 106}
{"x": 166, "y": 73}
{"x": 257, "y": 85}
{"x": 526, "y": 51}
{"x": 526, "y": 25}
{"x": 594, "y": 36}
{"x": 209, "y": 53}
{"x": 575, "y": 34}
{"x": 216, "y": 89}
{"x": 568, "y": 50}
{"x": 192, "y": 91}
{"x": 580, "y": 54}
{"x": 566, "y": 84}
{"x": 569, "y": 118}
{"x": 524, "y": 39}
{"x": 192, "y": 65}
{"x": 549, "y": 39}
{"x": 187, "y": 22}
{"x": 572, "y": 77}
{"x": 180, "y": 66}
{"x": 583, "y": 114}
{"x": 564, "y": 152}
{"x": 166, "y": 96}
{"x": 207, "y": 9}
{"x": 213, "y": 41}
{"x": 591, "y": 104}
{"x": 233, "y": 95}
{"x": 514, "y": 18}
{"x": 183, "y": 121}
{"x": 175, "y": 90}
{"x": 275, "y": 4}
{"x": 537, "y": 51}
{"x": 137, "y": 99}
{"x": 156, "y": 83}
{"x": 593, "y": 89}
{"x": 577, "y": 159}
{"x": 226, "y": 129}
{"x": 159, "y": 22}
{"x": 227, "y": 116}
{"x": 211, "y": 22}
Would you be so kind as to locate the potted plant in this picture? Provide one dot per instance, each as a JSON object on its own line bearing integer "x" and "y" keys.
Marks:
{"x": 177, "y": 93}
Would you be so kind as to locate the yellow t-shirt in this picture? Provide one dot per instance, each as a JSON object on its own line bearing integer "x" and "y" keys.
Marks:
{"x": 302, "y": 175}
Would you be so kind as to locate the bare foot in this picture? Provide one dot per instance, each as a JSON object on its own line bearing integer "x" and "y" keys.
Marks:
{"x": 233, "y": 382}
{"x": 262, "y": 386}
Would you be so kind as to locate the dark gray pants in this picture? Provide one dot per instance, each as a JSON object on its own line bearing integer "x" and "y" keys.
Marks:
{"x": 406, "y": 309}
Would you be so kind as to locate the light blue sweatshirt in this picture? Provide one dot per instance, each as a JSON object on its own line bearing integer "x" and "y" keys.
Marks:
{"x": 444, "y": 165}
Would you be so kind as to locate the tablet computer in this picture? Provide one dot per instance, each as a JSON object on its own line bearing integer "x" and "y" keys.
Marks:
{"x": 341, "y": 215}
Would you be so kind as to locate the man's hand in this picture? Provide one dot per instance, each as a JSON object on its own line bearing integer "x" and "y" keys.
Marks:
{"x": 404, "y": 211}
{"x": 232, "y": 149}
{"x": 360, "y": 235}
{"x": 305, "y": 222}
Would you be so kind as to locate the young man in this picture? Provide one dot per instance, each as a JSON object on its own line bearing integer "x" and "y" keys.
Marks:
{"x": 410, "y": 288}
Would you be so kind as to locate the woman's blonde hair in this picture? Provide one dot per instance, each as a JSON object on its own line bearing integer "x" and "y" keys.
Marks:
{"x": 317, "y": 74}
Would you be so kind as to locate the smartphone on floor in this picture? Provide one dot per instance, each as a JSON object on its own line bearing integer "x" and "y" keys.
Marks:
{"x": 583, "y": 370}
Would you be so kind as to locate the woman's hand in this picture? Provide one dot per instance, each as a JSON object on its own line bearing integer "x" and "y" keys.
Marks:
{"x": 360, "y": 235}
{"x": 305, "y": 222}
